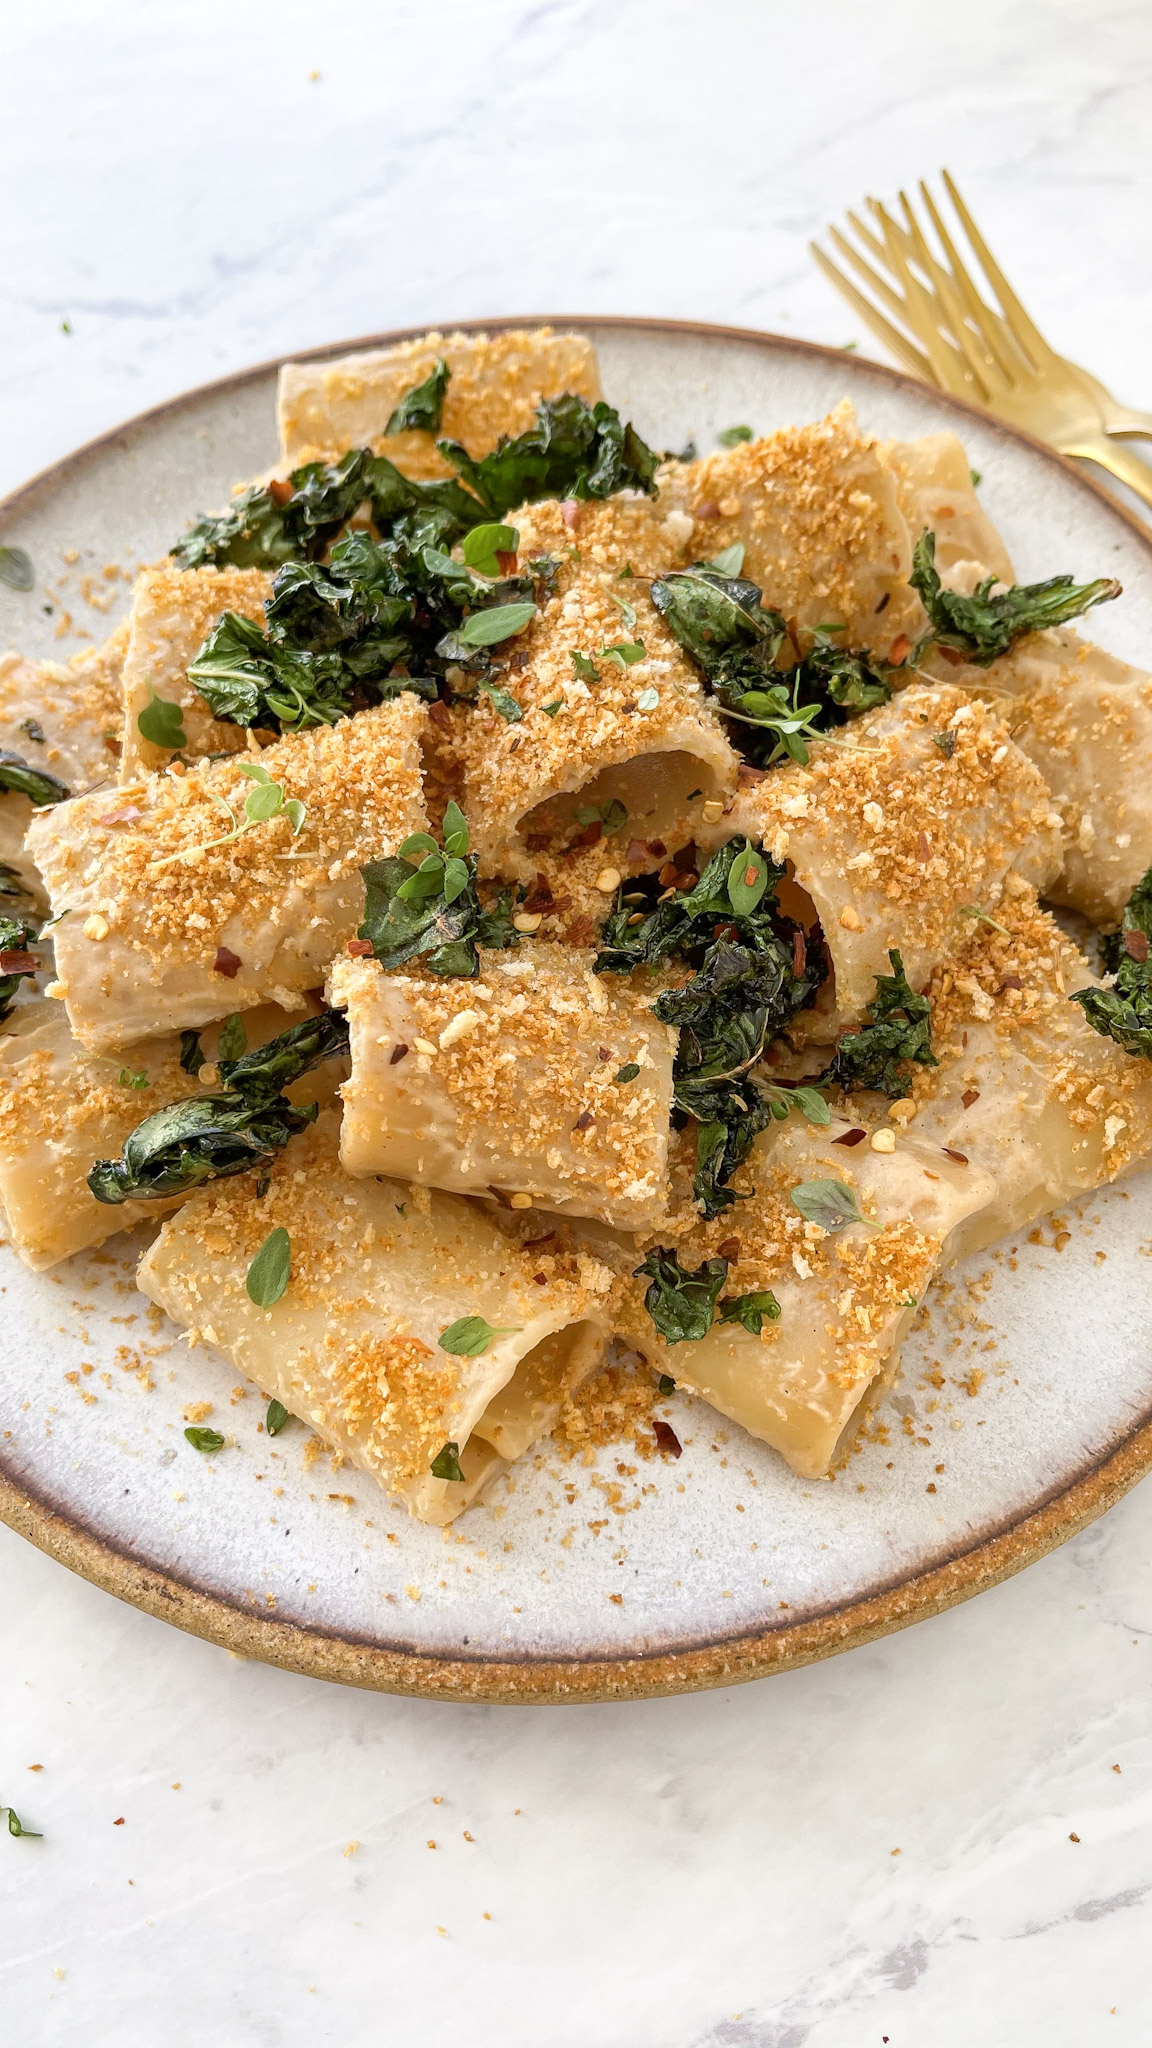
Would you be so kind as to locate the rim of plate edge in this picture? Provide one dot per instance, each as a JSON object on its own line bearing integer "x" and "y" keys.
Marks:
{"x": 316, "y": 1653}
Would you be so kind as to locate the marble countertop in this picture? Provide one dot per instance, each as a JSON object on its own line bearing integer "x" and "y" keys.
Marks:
{"x": 940, "y": 1838}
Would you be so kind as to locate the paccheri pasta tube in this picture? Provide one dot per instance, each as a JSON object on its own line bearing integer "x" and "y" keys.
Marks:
{"x": 832, "y": 1304}
{"x": 937, "y": 493}
{"x": 384, "y": 1281}
{"x": 495, "y": 384}
{"x": 611, "y": 719}
{"x": 62, "y": 1109}
{"x": 61, "y": 720}
{"x": 536, "y": 1079}
{"x": 897, "y": 837}
{"x": 1025, "y": 1089}
{"x": 186, "y": 896}
{"x": 173, "y": 610}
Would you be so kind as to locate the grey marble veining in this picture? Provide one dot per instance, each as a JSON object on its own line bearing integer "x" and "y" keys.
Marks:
{"x": 715, "y": 1872}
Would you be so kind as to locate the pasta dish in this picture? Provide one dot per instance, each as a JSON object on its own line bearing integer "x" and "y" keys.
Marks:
{"x": 508, "y": 897}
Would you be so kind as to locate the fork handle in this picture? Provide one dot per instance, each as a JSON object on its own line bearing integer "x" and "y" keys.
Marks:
{"x": 1118, "y": 419}
{"x": 1111, "y": 455}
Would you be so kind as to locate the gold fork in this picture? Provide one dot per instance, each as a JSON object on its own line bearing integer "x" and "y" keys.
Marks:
{"x": 997, "y": 359}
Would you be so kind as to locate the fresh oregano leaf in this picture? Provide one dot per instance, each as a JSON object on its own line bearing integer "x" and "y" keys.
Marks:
{"x": 483, "y": 544}
{"x": 161, "y": 722}
{"x": 499, "y": 622}
{"x": 446, "y": 1463}
{"x": 205, "y": 1440}
{"x": 470, "y": 1336}
{"x": 271, "y": 1269}
{"x": 731, "y": 437}
{"x": 17, "y": 1827}
{"x": 747, "y": 880}
{"x": 276, "y": 1418}
{"x": 830, "y": 1203}
{"x": 17, "y": 572}
{"x": 751, "y": 1311}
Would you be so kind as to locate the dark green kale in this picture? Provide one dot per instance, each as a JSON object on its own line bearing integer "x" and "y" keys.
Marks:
{"x": 895, "y": 1036}
{"x": 574, "y": 450}
{"x": 422, "y": 903}
{"x": 422, "y": 406}
{"x": 751, "y": 1311}
{"x": 753, "y": 973}
{"x": 378, "y": 618}
{"x": 17, "y": 960}
{"x": 22, "y": 780}
{"x": 243, "y": 1125}
{"x": 984, "y": 626}
{"x": 13, "y": 888}
{"x": 682, "y": 1304}
{"x": 737, "y": 640}
{"x": 270, "y": 524}
{"x": 1124, "y": 1012}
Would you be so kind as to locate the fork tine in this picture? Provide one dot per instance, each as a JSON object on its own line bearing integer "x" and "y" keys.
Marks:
{"x": 948, "y": 368}
{"x": 986, "y": 367}
{"x": 876, "y": 284}
{"x": 980, "y": 313}
{"x": 982, "y": 318}
{"x": 900, "y": 347}
{"x": 1023, "y": 330}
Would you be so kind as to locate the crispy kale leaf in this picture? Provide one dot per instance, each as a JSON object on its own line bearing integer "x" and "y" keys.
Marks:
{"x": 722, "y": 622}
{"x": 379, "y": 618}
{"x": 895, "y": 1035}
{"x": 1124, "y": 1012}
{"x": 753, "y": 972}
{"x": 422, "y": 903}
{"x": 17, "y": 960}
{"x": 19, "y": 777}
{"x": 422, "y": 406}
{"x": 211, "y": 1137}
{"x": 984, "y": 626}
{"x": 270, "y": 524}
{"x": 682, "y": 1304}
{"x": 573, "y": 450}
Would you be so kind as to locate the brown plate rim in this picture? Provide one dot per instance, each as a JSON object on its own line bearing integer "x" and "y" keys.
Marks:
{"x": 730, "y": 1661}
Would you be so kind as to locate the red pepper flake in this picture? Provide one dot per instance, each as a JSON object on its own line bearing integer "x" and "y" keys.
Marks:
{"x": 749, "y": 775}
{"x": 850, "y": 1138}
{"x": 666, "y": 1438}
{"x": 657, "y": 849}
{"x": 580, "y": 932}
{"x": 541, "y": 897}
{"x": 119, "y": 1823}
{"x": 506, "y": 559}
{"x": 399, "y": 1052}
{"x": 358, "y": 949}
{"x": 924, "y": 847}
{"x": 604, "y": 1053}
{"x": 227, "y": 963}
{"x": 969, "y": 1096}
{"x": 707, "y": 510}
{"x": 533, "y": 1244}
{"x": 569, "y": 512}
{"x": 18, "y": 963}
{"x": 1011, "y": 981}
{"x": 584, "y": 1121}
{"x": 883, "y": 604}
{"x": 519, "y": 660}
{"x": 126, "y": 815}
{"x": 668, "y": 875}
{"x": 687, "y": 881}
{"x": 637, "y": 851}
{"x": 952, "y": 656}
{"x": 799, "y": 953}
{"x": 113, "y": 745}
{"x": 590, "y": 836}
{"x": 538, "y": 842}
{"x": 730, "y": 1249}
{"x": 1136, "y": 946}
{"x": 440, "y": 715}
{"x": 900, "y": 647}
{"x": 541, "y": 1279}
{"x": 279, "y": 491}
{"x": 961, "y": 1158}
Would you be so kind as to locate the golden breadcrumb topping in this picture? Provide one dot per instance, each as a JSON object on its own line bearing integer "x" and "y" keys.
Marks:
{"x": 822, "y": 529}
{"x": 146, "y": 866}
{"x": 173, "y": 612}
{"x": 497, "y": 382}
{"x": 76, "y": 705}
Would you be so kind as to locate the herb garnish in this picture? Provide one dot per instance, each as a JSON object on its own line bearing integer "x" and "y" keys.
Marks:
{"x": 205, "y": 1440}
{"x": 446, "y": 1463}
{"x": 271, "y": 1270}
{"x": 484, "y": 545}
{"x": 15, "y": 1824}
{"x": 17, "y": 572}
{"x": 681, "y": 1303}
{"x": 896, "y": 1033}
{"x": 573, "y": 450}
{"x": 470, "y": 1336}
{"x": 751, "y": 1311}
{"x": 731, "y": 437}
{"x": 421, "y": 407}
{"x": 243, "y": 1125}
{"x": 19, "y": 778}
{"x": 830, "y": 1203}
{"x": 276, "y": 1418}
{"x": 17, "y": 961}
{"x": 1124, "y": 1012}
{"x": 261, "y": 805}
{"x": 162, "y": 722}
{"x": 984, "y": 626}
{"x": 429, "y": 906}
{"x": 746, "y": 987}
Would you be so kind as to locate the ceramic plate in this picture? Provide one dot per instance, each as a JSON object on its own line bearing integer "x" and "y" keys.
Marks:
{"x": 1022, "y": 1410}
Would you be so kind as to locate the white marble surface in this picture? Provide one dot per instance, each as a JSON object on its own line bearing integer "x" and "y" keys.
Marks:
{"x": 699, "y": 1873}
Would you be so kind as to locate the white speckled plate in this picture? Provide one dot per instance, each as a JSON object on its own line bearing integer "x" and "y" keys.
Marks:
{"x": 666, "y": 1575}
